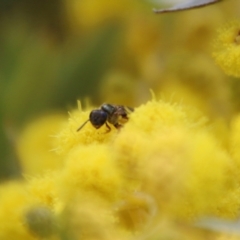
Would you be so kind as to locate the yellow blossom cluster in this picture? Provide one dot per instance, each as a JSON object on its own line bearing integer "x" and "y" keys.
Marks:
{"x": 152, "y": 179}
{"x": 173, "y": 164}
{"x": 227, "y": 49}
{"x": 35, "y": 151}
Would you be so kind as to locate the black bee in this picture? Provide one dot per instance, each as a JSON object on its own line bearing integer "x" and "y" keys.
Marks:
{"x": 117, "y": 115}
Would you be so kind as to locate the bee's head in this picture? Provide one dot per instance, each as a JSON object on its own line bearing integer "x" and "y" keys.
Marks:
{"x": 98, "y": 118}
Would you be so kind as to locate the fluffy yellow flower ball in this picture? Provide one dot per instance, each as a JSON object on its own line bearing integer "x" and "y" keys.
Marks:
{"x": 90, "y": 14}
{"x": 90, "y": 169}
{"x": 168, "y": 153}
{"x": 23, "y": 216}
{"x": 227, "y": 49}
{"x": 36, "y": 144}
{"x": 164, "y": 163}
{"x": 235, "y": 141}
{"x": 14, "y": 202}
{"x": 89, "y": 217}
{"x": 43, "y": 189}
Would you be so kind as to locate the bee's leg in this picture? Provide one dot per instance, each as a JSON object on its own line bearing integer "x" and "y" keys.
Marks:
{"x": 109, "y": 129}
{"x": 117, "y": 126}
{"x": 124, "y": 116}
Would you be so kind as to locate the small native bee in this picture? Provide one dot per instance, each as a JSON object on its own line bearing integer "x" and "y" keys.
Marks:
{"x": 117, "y": 115}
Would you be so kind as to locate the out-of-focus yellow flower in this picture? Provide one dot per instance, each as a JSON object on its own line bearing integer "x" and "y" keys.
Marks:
{"x": 14, "y": 202}
{"x": 136, "y": 210}
{"x": 116, "y": 86}
{"x": 234, "y": 141}
{"x": 23, "y": 216}
{"x": 176, "y": 91}
{"x": 173, "y": 157}
{"x": 36, "y": 143}
{"x": 91, "y": 169}
{"x": 43, "y": 189}
{"x": 89, "y": 14}
{"x": 195, "y": 35}
{"x": 141, "y": 37}
{"x": 217, "y": 107}
{"x": 90, "y": 217}
{"x": 165, "y": 163}
{"x": 227, "y": 236}
{"x": 227, "y": 49}
{"x": 196, "y": 82}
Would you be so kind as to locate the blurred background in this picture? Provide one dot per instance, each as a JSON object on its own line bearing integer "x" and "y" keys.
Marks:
{"x": 56, "y": 52}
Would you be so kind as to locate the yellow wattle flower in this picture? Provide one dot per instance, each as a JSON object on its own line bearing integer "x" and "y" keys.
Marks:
{"x": 36, "y": 144}
{"x": 90, "y": 217}
{"x": 14, "y": 203}
{"x": 42, "y": 189}
{"x": 163, "y": 163}
{"x": 23, "y": 216}
{"x": 226, "y": 50}
{"x": 234, "y": 142}
{"x": 91, "y": 169}
{"x": 91, "y": 14}
{"x": 168, "y": 152}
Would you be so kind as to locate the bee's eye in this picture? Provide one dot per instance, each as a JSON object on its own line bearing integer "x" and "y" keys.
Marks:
{"x": 98, "y": 118}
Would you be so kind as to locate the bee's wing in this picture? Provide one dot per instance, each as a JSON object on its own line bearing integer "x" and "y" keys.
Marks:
{"x": 122, "y": 112}
{"x": 191, "y": 4}
{"x": 129, "y": 109}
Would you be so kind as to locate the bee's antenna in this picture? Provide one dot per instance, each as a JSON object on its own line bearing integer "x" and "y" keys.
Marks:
{"x": 82, "y": 125}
